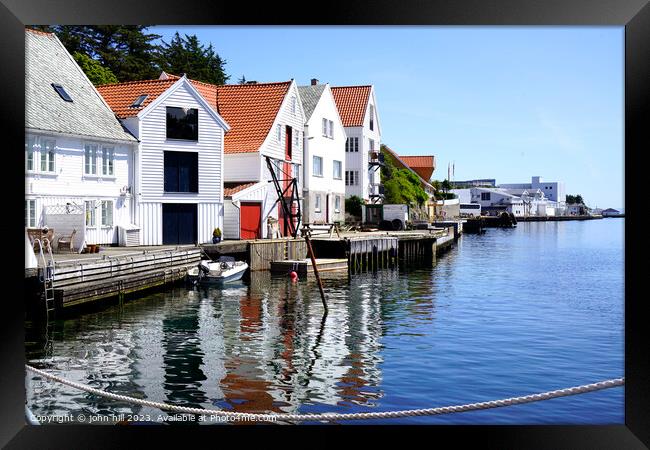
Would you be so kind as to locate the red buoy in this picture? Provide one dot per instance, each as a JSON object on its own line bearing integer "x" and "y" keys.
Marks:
{"x": 293, "y": 275}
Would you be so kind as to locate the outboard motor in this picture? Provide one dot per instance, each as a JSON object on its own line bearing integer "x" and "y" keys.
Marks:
{"x": 204, "y": 268}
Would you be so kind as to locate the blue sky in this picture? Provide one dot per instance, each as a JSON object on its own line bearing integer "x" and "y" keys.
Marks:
{"x": 499, "y": 102}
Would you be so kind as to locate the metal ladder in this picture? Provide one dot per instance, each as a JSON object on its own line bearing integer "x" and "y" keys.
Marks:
{"x": 47, "y": 276}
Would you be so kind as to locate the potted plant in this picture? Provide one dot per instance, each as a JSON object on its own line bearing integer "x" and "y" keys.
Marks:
{"x": 216, "y": 236}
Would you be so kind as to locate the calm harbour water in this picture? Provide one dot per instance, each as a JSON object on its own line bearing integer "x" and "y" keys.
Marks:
{"x": 507, "y": 313}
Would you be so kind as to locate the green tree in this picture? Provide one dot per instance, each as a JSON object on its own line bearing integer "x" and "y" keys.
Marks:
{"x": 96, "y": 73}
{"x": 186, "y": 55}
{"x": 401, "y": 186}
{"x": 574, "y": 199}
{"x": 128, "y": 51}
{"x": 446, "y": 185}
{"x": 353, "y": 205}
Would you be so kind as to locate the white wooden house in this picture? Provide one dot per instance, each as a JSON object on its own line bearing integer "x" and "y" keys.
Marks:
{"x": 357, "y": 107}
{"x": 178, "y": 179}
{"x": 324, "y": 156}
{"x": 266, "y": 119}
{"x": 78, "y": 158}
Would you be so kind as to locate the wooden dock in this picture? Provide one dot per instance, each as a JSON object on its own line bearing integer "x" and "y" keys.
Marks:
{"x": 259, "y": 253}
{"x": 76, "y": 283}
{"x": 303, "y": 267}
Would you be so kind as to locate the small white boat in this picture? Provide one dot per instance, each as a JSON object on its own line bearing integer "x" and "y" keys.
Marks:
{"x": 224, "y": 270}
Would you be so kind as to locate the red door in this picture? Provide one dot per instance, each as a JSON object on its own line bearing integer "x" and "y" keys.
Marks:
{"x": 250, "y": 221}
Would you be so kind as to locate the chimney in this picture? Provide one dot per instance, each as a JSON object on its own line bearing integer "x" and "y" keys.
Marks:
{"x": 251, "y": 82}
{"x": 314, "y": 81}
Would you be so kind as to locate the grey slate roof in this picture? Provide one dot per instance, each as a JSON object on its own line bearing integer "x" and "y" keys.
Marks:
{"x": 309, "y": 95}
{"x": 46, "y": 62}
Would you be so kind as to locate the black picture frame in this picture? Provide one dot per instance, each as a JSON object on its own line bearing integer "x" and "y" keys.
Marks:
{"x": 633, "y": 14}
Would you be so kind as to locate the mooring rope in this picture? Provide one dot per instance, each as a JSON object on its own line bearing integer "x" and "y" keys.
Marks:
{"x": 343, "y": 416}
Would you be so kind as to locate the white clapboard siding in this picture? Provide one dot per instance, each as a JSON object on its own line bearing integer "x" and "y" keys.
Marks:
{"x": 242, "y": 167}
{"x": 91, "y": 235}
{"x": 149, "y": 219}
{"x": 231, "y": 221}
{"x": 68, "y": 178}
{"x": 285, "y": 117}
{"x": 210, "y": 216}
{"x": 154, "y": 143}
{"x": 329, "y": 149}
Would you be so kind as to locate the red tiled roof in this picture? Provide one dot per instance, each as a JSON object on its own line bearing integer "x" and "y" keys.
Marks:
{"x": 232, "y": 188}
{"x": 120, "y": 96}
{"x": 249, "y": 109}
{"x": 401, "y": 162}
{"x": 423, "y": 165}
{"x": 352, "y": 102}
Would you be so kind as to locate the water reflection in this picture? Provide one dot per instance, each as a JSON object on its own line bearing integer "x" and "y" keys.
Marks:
{"x": 496, "y": 316}
{"x": 263, "y": 346}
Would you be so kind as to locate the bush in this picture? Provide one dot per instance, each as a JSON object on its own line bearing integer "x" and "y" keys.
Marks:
{"x": 353, "y": 205}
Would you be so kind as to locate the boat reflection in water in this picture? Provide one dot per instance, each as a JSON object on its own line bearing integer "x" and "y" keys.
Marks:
{"x": 258, "y": 346}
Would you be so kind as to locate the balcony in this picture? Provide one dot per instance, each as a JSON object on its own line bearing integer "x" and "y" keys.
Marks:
{"x": 376, "y": 192}
{"x": 375, "y": 159}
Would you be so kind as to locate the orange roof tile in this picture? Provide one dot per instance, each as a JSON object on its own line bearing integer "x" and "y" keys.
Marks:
{"x": 120, "y": 96}
{"x": 423, "y": 165}
{"x": 249, "y": 109}
{"x": 352, "y": 102}
{"x": 232, "y": 188}
{"x": 418, "y": 160}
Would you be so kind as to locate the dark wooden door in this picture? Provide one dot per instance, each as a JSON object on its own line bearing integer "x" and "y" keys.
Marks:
{"x": 179, "y": 223}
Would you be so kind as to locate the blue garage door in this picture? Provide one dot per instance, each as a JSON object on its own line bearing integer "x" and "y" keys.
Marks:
{"x": 179, "y": 223}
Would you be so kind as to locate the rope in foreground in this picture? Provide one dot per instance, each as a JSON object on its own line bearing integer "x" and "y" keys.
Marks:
{"x": 344, "y": 416}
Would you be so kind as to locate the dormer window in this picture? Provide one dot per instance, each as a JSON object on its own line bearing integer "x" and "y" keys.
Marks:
{"x": 62, "y": 92}
{"x": 372, "y": 117}
{"x": 138, "y": 101}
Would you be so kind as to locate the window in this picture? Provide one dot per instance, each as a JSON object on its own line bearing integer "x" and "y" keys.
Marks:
{"x": 183, "y": 123}
{"x": 485, "y": 196}
{"x": 318, "y": 166}
{"x": 351, "y": 177}
{"x": 90, "y": 159}
{"x": 181, "y": 172}
{"x": 352, "y": 145}
{"x": 29, "y": 153}
{"x": 47, "y": 155}
{"x": 107, "y": 213}
{"x": 371, "y": 143}
{"x": 328, "y": 128}
{"x": 295, "y": 172}
{"x": 296, "y": 141}
{"x": 107, "y": 161}
{"x": 138, "y": 101}
{"x": 91, "y": 218}
{"x": 293, "y": 105}
{"x": 30, "y": 213}
{"x": 61, "y": 91}
{"x": 337, "y": 170}
{"x": 337, "y": 203}
{"x": 317, "y": 203}
{"x": 372, "y": 117}
{"x": 278, "y": 133}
